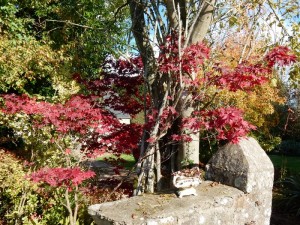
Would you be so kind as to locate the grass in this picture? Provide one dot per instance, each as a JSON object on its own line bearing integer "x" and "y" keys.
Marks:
{"x": 291, "y": 163}
{"x": 129, "y": 160}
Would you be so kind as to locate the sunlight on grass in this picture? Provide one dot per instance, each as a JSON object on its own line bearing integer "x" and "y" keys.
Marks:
{"x": 129, "y": 160}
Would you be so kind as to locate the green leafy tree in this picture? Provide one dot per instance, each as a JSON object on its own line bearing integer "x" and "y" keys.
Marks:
{"x": 87, "y": 30}
{"x": 29, "y": 65}
{"x": 44, "y": 42}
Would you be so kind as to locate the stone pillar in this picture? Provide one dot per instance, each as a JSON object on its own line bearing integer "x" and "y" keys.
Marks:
{"x": 247, "y": 167}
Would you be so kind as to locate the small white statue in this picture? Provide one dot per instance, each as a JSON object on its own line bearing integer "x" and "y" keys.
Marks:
{"x": 186, "y": 180}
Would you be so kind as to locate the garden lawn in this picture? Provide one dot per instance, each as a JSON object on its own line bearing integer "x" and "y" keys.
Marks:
{"x": 129, "y": 160}
{"x": 291, "y": 163}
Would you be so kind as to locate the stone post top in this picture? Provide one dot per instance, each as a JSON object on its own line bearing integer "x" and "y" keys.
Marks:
{"x": 245, "y": 156}
{"x": 244, "y": 165}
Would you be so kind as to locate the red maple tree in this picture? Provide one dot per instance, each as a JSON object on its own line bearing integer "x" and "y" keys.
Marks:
{"x": 121, "y": 87}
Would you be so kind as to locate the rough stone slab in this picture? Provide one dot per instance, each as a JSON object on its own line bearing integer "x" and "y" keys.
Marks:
{"x": 215, "y": 204}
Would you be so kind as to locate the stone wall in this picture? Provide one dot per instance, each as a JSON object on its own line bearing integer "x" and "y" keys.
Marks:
{"x": 239, "y": 193}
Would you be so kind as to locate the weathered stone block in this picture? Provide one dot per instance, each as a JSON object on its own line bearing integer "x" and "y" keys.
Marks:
{"x": 245, "y": 166}
{"x": 215, "y": 204}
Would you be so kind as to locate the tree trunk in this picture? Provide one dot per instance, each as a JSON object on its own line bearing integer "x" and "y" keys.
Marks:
{"x": 194, "y": 32}
{"x": 188, "y": 153}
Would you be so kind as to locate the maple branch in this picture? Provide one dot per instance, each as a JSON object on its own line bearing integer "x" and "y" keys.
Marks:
{"x": 159, "y": 19}
{"x": 179, "y": 43}
{"x": 170, "y": 13}
{"x": 290, "y": 112}
{"x": 193, "y": 24}
{"x": 22, "y": 204}
{"x": 173, "y": 158}
{"x": 158, "y": 167}
{"x": 76, "y": 204}
{"x": 138, "y": 29}
{"x": 179, "y": 7}
{"x": 63, "y": 152}
{"x": 150, "y": 148}
{"x": 250, "y": 34}
{"x": 209, "y": 102}
{"x": 68, "y": 206}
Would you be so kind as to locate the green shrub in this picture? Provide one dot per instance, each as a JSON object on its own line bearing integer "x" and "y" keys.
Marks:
{"x": 17, "y": 197}
{"x": 23, "y": 202}
{"x": 290, "y": 191}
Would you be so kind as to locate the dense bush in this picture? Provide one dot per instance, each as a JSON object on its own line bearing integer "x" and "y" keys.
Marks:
{"x": 17, "y": 195}
{"x": 24, "y": 202}
{"x": 290, "y": 195}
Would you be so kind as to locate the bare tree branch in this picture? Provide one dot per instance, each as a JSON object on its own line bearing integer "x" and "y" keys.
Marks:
{"x": 73, "y": 24}
{"x": 119, "y": 9}
{"x": 278, "y": 19}
{"x": 162, "y": 26}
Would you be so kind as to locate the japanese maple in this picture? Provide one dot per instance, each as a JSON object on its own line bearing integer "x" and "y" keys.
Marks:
{"x": 119, "y": 86}
{"x": 228, "y": 123}
{"x": 183, "y": 77}
{"x": 79, "y": 116}
{"x": 67, "y": 179}
{"x": 280, "y": 55}
{"x": 61, "y": 177}
{"x": 243, "y": 77}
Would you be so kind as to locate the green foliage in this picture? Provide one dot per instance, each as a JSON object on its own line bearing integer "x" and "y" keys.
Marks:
{"x": 290, "y": 190}
{"x": 10, "y": 171}
{"x": 186, "y": 163}
{"x": 22, "y": 202}
{"x": 10, "y": 25}
{"x": 36, "y": 142}
{"x": 267, "y": 141}
{"x": 17, "y": 195}
{"x": 23, "y": 63}
{"x": 87, "y": 29}
{"x": 28, "y": 65}
{"x": 44, "y": 42}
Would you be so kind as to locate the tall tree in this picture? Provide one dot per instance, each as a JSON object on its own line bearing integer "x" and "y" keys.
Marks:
{"x": 189, "y": 19}
{"x": 44, "y": 42}
{"x": 88, "y": 30}
{"x": 183, "y": 24}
